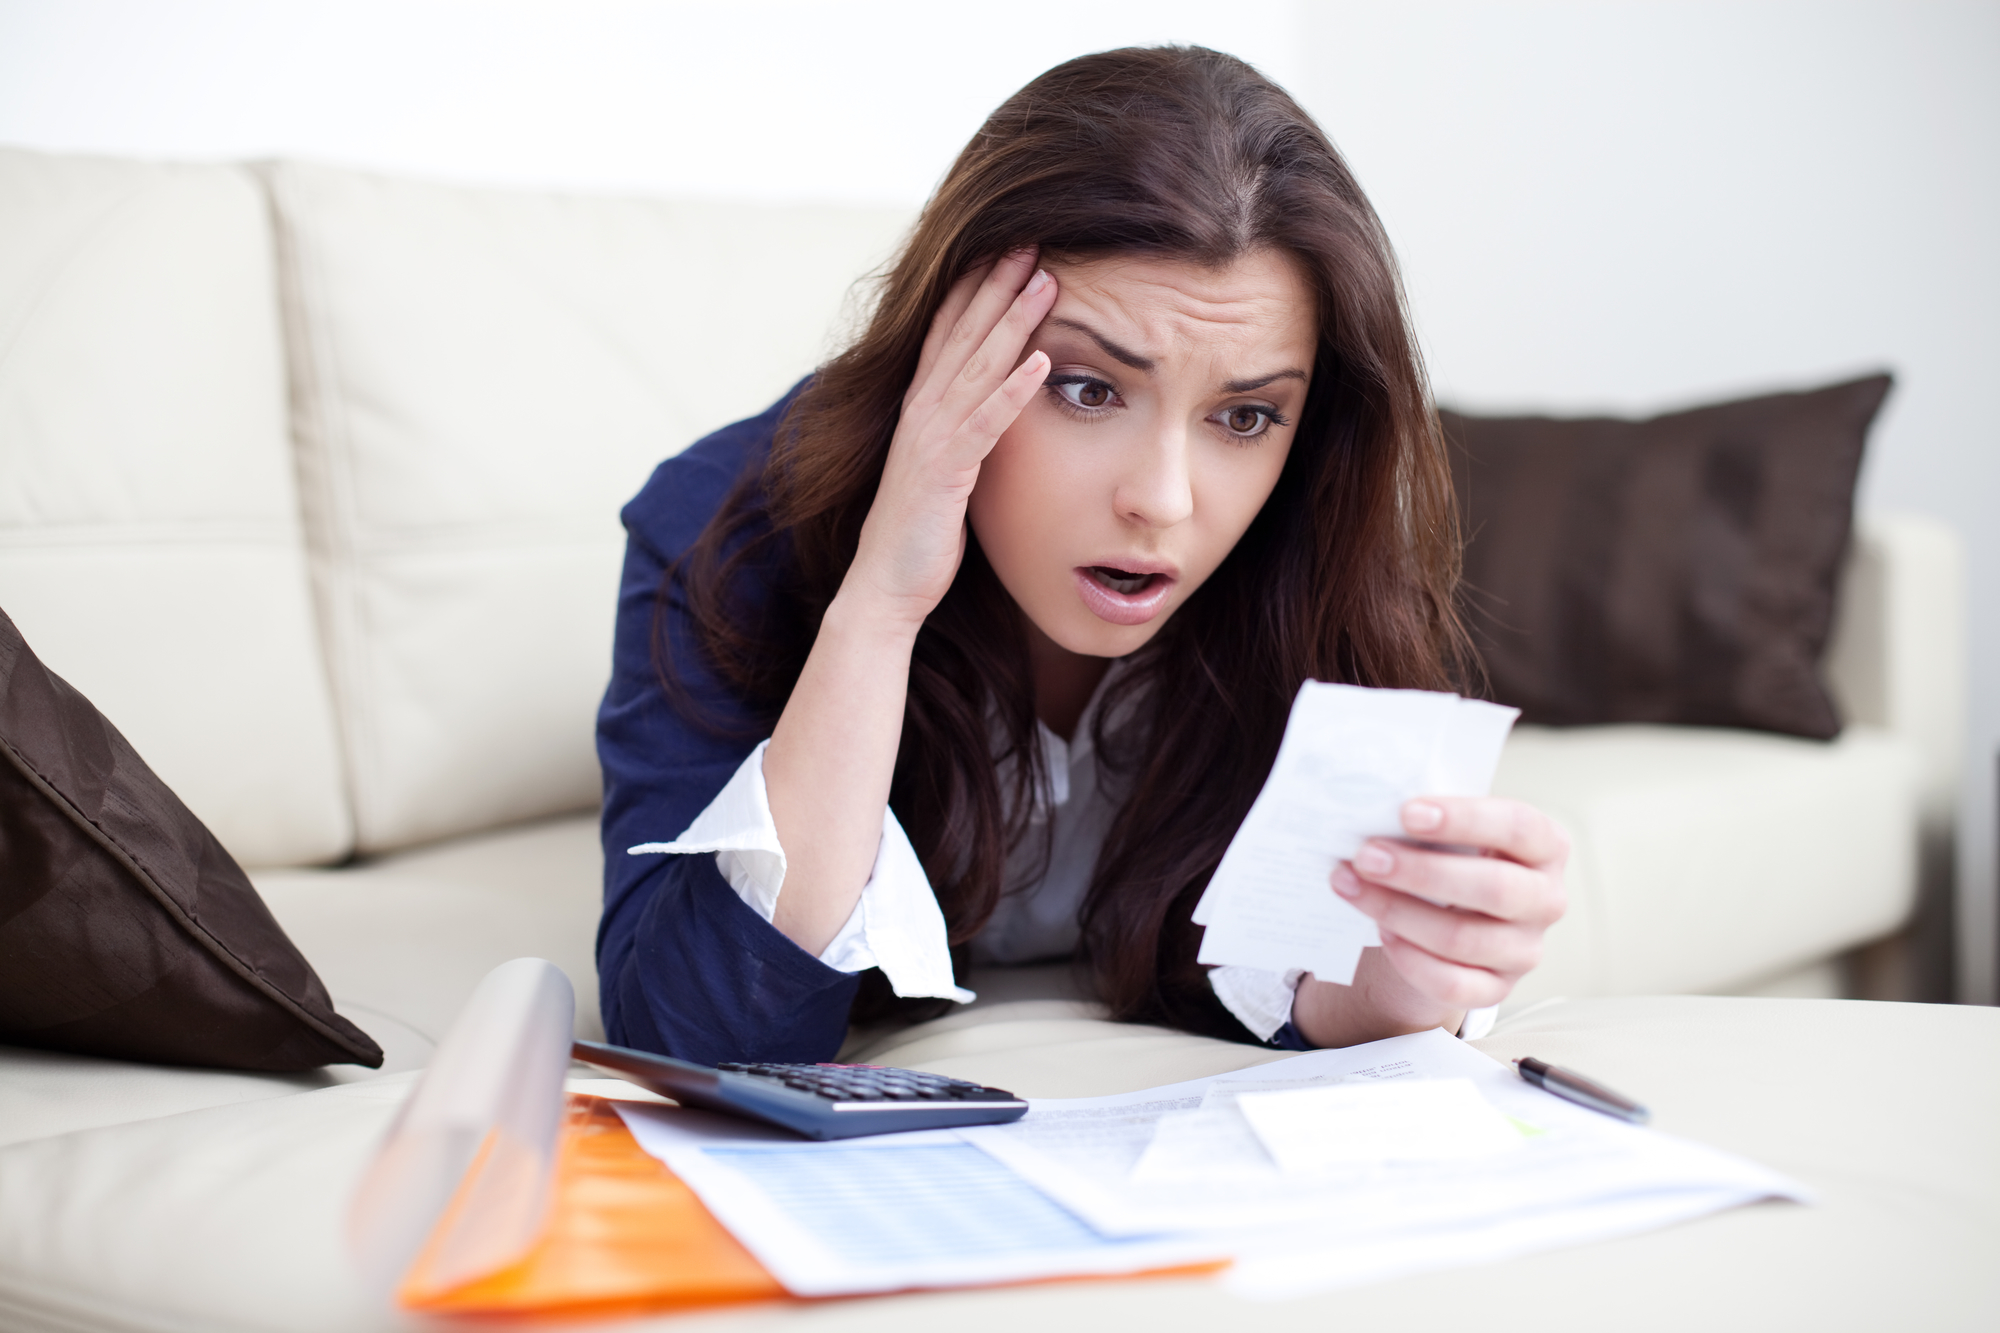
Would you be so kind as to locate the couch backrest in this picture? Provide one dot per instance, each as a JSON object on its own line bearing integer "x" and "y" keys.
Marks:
{"x": 150, "y": 543}
{"x": 480, "y": 379}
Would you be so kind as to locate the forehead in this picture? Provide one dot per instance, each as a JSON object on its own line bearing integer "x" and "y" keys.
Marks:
{"x": 1259, "y": 301}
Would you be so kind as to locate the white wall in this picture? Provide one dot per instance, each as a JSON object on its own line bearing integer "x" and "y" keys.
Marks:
{"x": 856, "y": 100}
{"x": 1600, "y": 205}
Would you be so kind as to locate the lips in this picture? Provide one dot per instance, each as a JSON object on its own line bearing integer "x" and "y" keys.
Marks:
{"x": 1124, "y": 594}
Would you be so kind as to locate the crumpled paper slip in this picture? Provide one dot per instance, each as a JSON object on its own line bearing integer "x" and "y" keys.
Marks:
{"x": 1349, "y": 760}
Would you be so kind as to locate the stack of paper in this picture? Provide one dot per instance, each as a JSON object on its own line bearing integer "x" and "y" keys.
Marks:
{"x": 1330, "y": 1168}
{"x": 923, "y": 1209}
{"x": 1349, "y": 760}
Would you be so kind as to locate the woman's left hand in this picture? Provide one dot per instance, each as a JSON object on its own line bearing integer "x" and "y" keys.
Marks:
{"x": 1459, "y": 930}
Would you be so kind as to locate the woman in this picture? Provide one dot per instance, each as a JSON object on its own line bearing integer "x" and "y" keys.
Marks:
{"x": 1020, "y": 588}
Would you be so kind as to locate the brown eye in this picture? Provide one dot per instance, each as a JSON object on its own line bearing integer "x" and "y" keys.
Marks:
{"x": 1090, "y": 395}
{"x": 1244, "y": 420}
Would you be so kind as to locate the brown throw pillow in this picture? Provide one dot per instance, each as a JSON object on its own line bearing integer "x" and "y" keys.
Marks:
{"x": 125, "y": 928}
{"x": 1679, "y": 570}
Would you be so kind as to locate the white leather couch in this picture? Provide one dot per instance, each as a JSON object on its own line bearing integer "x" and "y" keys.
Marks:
{"x": 309, "y": 479}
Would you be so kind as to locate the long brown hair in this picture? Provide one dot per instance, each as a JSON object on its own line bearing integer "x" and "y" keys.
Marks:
{"x": 1348, "y": 573}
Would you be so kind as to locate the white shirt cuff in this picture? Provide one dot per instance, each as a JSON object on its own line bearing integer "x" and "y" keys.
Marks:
{"x": 1261, "y": 1000}
{"x": 896, "y": 925}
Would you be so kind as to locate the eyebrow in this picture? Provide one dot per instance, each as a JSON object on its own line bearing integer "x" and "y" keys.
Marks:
{"x": 1245, "y": 386}
{"x": 1147, "y": 365}
{"x": 1111, "y": 349}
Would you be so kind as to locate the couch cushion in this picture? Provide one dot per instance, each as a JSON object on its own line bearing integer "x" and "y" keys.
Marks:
{"x": 1056, "y": 1048}
{"x": 402, "y": 940}
{"x": 481, "y": 379}
{"x": 1680, "y": 569}
{"x": 150, "y": 542}
{"x": 230, "y": 1218}
{"x": 1706, "y": 859}
{"x": 125, "y": 929}
{"x": 43, "y": 1093}
{"x": 1680, "y": 819}
{"x": 226, "y": 1220}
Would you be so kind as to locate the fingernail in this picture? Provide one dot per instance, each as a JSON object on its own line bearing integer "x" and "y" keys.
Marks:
{"x": 1422, "y": 816}
{"x": 1039, "y": 281}
{"x": 1344, "y": 882}
{"x": 1372, "y": 860}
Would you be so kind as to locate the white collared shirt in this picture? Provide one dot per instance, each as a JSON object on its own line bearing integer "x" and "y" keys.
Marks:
{"x": 897, "y": 926}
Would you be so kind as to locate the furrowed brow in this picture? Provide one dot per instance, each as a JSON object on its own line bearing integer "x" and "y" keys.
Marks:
{"x": 1246, "y": 386}
{"x": 1111, "y": 349}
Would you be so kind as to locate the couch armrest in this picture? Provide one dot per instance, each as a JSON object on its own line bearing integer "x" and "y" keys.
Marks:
{"x": 1897, "y": 656}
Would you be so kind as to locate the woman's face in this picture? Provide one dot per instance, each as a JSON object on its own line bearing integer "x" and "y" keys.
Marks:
{"x": 1172, "y": 397}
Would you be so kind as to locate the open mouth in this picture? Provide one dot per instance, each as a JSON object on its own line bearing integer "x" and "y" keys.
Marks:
{"x": 1123, "y": 582}
{"x": 1123, "y": 596}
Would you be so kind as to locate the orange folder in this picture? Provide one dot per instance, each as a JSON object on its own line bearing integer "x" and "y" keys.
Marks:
{"x": 623, "y": 1235}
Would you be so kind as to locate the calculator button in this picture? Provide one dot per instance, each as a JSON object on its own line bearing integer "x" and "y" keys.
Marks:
{"x": 866, "y": 1084}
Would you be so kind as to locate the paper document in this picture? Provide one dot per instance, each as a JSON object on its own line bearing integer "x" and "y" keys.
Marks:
{"x": 1185, "y": 1158}
{"x": 1416, "y": 1120}
{"x": 1349, "y": 760}
{"x": 889, "y": 1212}
{"x": 1192, "y": 1172}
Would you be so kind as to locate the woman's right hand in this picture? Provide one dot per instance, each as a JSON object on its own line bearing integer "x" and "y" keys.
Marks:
{"x": 966, "y": 393}
{"x": 828, "y": 769}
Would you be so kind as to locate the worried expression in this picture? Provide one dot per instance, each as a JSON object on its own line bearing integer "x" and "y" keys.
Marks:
{"x": 1169, "y": 410}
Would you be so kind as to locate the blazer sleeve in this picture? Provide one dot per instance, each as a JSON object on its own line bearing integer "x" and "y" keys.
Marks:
{"x": 685, "y": 966}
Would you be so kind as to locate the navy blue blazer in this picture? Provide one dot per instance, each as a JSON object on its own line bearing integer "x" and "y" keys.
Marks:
{"x": 685, "y": 967}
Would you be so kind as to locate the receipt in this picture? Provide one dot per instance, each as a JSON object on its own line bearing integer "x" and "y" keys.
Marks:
{"x": 1349, "y": 760}
{"x": 1409, "y": 1120}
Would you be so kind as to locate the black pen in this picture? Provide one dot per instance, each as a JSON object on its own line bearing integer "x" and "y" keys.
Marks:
{"x": 1574, "y": 1087}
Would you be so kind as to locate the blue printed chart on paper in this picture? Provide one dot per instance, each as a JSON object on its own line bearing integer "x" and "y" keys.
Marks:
{"x": 895, "y": 1212}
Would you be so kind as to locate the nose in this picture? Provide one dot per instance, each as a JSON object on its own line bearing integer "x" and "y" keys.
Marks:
{"x": 1155, "y": 489}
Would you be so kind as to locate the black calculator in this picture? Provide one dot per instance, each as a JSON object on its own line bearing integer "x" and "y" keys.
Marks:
{"x": 824, "y": 1101}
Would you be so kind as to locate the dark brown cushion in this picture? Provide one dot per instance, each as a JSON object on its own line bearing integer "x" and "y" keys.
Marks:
{"x": 125, "y": 928}
{"x": 1680, "y": 569}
